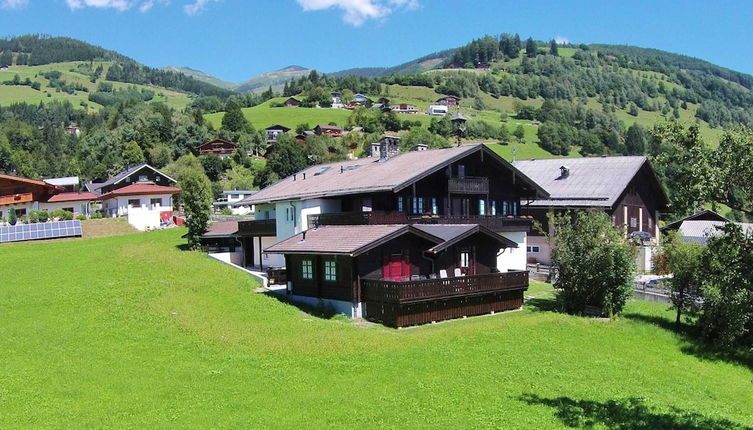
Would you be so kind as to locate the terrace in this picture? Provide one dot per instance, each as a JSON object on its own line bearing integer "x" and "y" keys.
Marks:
{"x": 493, "y": 222}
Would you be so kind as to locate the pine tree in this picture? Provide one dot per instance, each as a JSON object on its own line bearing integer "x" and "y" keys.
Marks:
{"x": 531, "y": 48}
{"x": 233, "y": 120}
{"x": 553, "y": 48}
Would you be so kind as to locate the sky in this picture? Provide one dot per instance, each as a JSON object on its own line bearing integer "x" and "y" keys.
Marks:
{"x": 237, "y": 39}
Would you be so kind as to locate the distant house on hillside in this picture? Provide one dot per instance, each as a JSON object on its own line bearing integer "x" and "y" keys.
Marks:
{"x": 74, "y": 130}
{"x": 437, "y": 110}
{"x": 404, "y": 108}
{"x": 301, "y": 137}
{"x": 292, "y": 102}
{"x": 140, "y": 193}
{"x": 625, "y": 188}
{"x": 449, "y": 101}
{"x": 231, "y": 198}
{"x": 328, "y": 130}
{"x": 701, "y": 226}
{"x": 337, "y": 102}
{"x": 362, "y": 100}
{"x": 219, "y": 147}
{"x": 275, "y": 130}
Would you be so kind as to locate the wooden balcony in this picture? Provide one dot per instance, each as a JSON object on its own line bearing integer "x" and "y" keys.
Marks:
{"x": 258, "y": 228}
{"x": 468, "y": 185}
{"x": 496, "y": 223}
{"x": 16, "y": 199}
{"x": 358, "y": 218}
{"x": 401, "y": 304}
{"x": 433, "y": 289}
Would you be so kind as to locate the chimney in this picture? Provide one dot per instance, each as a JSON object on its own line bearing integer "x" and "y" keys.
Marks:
{"x": 421, "y": 147}
{"x": 383, "y": 155}
{"x": 564, "y": 171}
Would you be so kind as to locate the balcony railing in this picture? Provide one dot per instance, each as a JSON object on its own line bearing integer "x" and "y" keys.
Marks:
{"x": 15, "y": 199}
{"x": 495, "y": 223}
{"x": 433, "y": 289}
{"x": 266, "y": 227}
{"x": 468, "y": 185}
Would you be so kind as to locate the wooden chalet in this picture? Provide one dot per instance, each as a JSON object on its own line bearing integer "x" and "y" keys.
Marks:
{"x": 403, "y": 275}
{"x": 292, "y": 102}
{"x": 449, "y": 101}
{"x": 626, "y": 188}
{"x": 219, "y": 147}
{"x": 275, "y": 130}
{"x": 328, "y": 130}
{"x": 23, "y": 194}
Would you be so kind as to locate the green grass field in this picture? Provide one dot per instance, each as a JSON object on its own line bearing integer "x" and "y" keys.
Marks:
{"x": 130, "y": 331}
{"x": 15, "y": 94}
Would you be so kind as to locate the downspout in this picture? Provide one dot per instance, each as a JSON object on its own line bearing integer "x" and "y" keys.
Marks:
{"x": 295, "y": 223}
{"x": 429, "y": 259}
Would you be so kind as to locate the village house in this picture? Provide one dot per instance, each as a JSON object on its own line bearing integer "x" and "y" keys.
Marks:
{"x": 626, "y": 188}
{"x": 219, "y": 147}
{"x": 701, "y": 226}
{"x": 449, "y": 101}
{"x": 292, "y": 102}
{"x": 469, "y": 185}
{"x": 437, "y": 110}
{"x": 24, "y": 194}
{"x": 231, "y": 199}
{"x": 275, "y": 130}
{"x": 361, "y": 100}
{"x": 337, "y": 102}
{"x": 404, "y": 108}
{"x": 328, "y": 130}
{"x": 141, "y": 193}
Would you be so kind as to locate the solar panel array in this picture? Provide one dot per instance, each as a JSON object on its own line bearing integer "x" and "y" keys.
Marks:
{"x": 45, "y": 230}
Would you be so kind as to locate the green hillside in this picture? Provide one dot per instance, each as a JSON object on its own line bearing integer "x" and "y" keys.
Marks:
{"x": 73, "y": 74}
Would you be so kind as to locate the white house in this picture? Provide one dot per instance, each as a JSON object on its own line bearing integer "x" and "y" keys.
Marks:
{"x": 230, "y": 200}
{"x": 437, "y": 110}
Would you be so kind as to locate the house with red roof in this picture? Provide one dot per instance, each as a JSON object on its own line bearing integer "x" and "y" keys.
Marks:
{"x": 140, "y": 193}
{"x": 23, "y": 194}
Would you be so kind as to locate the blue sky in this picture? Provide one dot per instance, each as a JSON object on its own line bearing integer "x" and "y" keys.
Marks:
{"x": 237, "y": 39}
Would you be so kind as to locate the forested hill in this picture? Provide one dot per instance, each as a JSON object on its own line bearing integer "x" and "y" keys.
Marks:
{"x": 37, "y": 50}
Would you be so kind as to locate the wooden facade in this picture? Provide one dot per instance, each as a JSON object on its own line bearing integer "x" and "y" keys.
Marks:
{"x": 218, "y": 147}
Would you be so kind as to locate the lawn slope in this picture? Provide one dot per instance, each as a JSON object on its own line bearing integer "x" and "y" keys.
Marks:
{"x": 130, "y": 331}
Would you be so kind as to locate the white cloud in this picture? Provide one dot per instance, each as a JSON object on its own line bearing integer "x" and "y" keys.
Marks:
{"x": 197, "y": 6}
{"x": 13, "y": 4}
{"x": 561, "y": 40}
{"x": 120, "y": 5}
{"x": 356, "y": 12}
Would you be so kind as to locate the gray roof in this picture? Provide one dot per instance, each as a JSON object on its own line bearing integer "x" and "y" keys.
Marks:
{"x": 592, "y": 182}
{"x": 221, "y": 229}
{"x": 353, "y": 240}
{"x": 94, "y": 187}
{"x": 705, "y": 215}
{"x": 700, "y": 230}
{"x": 61, "y": 182}
{"x": 368, "y": 175}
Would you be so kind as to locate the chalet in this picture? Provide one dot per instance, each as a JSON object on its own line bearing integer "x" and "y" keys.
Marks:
{"x": 275, "y": 130}
{"x": 404, "y": 108}
{"x": 449, "y": 101}
{"x": 24, "y": 194}
{"x": 437, "y": 110}
{"x": 221, "y": 240}
{"x": 219, "y": 147}
{"x": 402, "y": 274}
{"x": 626, "y": 188}
{"x": 292, "y": 102}
{"x": 361, "y": 100}
{"x": 337, "y": 102}
{"x": 701, "y": 226}
{"x": 141, "y": 193}
{"x": 230, "y": 199}
{"x": 467, "y": 185}
{"x": 301, "y": 137}
{"x": 328, "y": 130}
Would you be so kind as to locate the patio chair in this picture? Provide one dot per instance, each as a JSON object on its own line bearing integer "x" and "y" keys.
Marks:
{"x": 442, "y": 274}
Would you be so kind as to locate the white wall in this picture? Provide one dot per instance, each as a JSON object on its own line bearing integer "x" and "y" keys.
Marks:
{"x": 513, "y": 258}
{"x": 276, "y": 260}
{"x": 78, "y": 207}
{"x": 230, "y": 257}
{"x": 544, "y": 256}
{"x": 142, "y": 217}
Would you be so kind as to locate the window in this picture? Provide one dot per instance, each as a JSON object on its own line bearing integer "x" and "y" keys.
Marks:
{"x": 69, "y": 210}
{"x": 418, "y": 205}
{"x": 533, "y": 249}
{"x": 156, "y": 202}
{"x": 400, "y": 207}
{"x": 505, "y": 208}
{"x": 649, "y": 223}
{"x": 482, "y": 207}
{"x": 330, "y": 271}
{"x": 434, "y": 206}
{"x": 515, "y": 207}
{"x": 307, "y": 269}
{"x": 461, "y": 171}
{"x": 134, "y": 202}
{"x": 633, "y": 222}
{"x": 157, "y": 178}
{"x": 143, "y": 178}
{"x": 465, "y": 259}
{"x": 494, "y": 208}
{"x": 235, "y": 196}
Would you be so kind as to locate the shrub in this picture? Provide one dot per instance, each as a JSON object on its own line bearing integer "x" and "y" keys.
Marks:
{"x": 12, "y": 216}
{"x": 33, "y": 217}
{"x": 226, "y": 211}
{"x": 43, "y": 216}
{"x": 62, "y": 215}
{"x": 594, "y": 263}
{"x": 96, "y": 215}
{"x": 80, "y": 217}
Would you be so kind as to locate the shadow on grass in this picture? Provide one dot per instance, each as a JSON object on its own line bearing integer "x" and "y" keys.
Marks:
{"x": 543, "y": 304}
{"x": 693, "y": 345}
{"x": 626, "y": 414}
{"x": 321, "y": 311}
{"x": 183, "y": 247}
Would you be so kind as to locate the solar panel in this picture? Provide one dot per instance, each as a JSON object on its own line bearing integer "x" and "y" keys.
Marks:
{"x": 46, "y": 230}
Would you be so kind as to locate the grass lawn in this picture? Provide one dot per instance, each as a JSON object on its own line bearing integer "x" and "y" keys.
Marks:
{"x": 130, "y": 331}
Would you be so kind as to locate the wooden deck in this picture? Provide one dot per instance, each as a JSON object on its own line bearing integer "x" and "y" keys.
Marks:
{"x": 400, "y": 304}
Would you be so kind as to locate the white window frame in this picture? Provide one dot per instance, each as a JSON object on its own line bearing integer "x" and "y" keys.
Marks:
{"x": 307, "y": 269}
{"x": 330, "y": 270}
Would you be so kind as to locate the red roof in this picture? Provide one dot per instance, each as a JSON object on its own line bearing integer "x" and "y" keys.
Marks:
{"x": 140, "y": 189}
{"x": 71, "y": 197}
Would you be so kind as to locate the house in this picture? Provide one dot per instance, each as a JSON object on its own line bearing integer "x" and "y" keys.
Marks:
{"x": 292, "y": 102}
{"x": 361, "y": 100}
{"x": 275, "y": 130}
{"x": 404, "y": 108}
{"x": 74, "y": 202}
{"x": 140, "y": 193}
{"x": 24, "y": 194}
{"x": 466, "y": 185}
{"x": 626, "y": 188}
{"x": 701, "y": 226}
{"x": 449, "y": 101}
{"x": 337, "y": 102}
{"x": 328, "y": 130}
{"x": 220, "y": 240}
{"x": 230, "y": 200}
{"x": 74, "y": 130}
{"x": 301, "y": 137}
{"x": 401, "y": 274}
{"x": 68, "y": 184}
{"x": 437, "y": 110}
{"x": 219, "y": 147}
